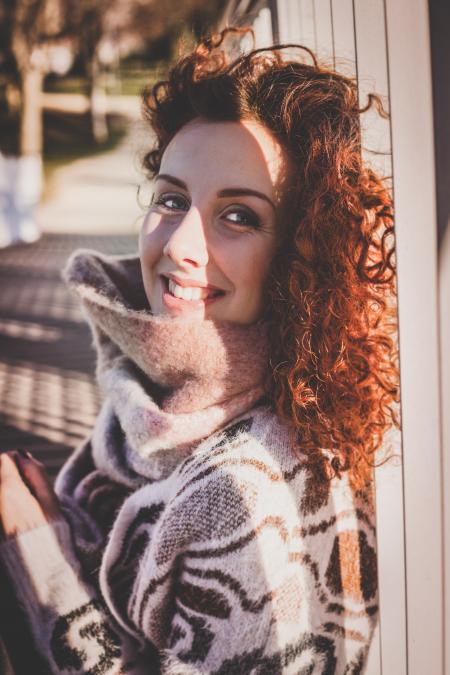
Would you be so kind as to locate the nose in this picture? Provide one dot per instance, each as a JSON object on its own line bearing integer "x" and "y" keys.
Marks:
{"x": 187, "y": 243}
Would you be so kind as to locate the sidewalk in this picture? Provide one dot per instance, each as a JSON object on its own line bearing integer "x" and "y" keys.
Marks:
{"x": 48, "y": 396}
{"x": 99, "y": 193}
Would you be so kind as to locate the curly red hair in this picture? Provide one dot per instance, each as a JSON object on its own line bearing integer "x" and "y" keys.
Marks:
{"x": 334, "y": 370}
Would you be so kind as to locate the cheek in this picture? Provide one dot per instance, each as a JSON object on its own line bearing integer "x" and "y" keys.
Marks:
{"x": 151, "y": 242}
{"x": 248, "y": 265}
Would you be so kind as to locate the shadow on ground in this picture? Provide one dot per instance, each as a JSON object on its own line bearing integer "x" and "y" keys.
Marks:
{"x": 48, "y": 396}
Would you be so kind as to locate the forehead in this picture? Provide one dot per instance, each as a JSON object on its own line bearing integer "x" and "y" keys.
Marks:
{"x": 240, "y": 153}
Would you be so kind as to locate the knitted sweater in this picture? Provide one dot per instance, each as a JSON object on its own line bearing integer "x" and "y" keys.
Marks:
{"x": 224, "y": 553}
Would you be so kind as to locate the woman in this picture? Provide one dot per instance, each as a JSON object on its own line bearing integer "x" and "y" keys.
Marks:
{"x": 220, "y": 518}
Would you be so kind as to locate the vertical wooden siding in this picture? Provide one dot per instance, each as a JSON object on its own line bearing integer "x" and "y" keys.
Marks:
{"x": 372, "y": 71}
{"x": 361, "y": 39}
{"x": 416, "y": 231}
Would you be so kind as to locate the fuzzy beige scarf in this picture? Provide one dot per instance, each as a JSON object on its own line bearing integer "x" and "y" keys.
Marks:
{"x": 168, "y": 382}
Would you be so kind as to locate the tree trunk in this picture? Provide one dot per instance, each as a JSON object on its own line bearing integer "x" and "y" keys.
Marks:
{"x": 31, "y": 127}
{"x": 21, "y": 176}
{"x": 98, "y": 105}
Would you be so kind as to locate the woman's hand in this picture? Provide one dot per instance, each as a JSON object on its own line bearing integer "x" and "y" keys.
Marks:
{"x": 27, "y": 499}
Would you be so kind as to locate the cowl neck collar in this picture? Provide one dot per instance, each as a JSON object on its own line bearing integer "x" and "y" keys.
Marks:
{"x": 168, "y": 382}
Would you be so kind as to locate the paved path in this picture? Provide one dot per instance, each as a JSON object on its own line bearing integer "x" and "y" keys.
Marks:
{"x": 100, "y": 193}
{"x": 48, "y": 396}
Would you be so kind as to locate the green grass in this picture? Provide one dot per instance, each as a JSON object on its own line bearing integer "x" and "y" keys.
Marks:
{"x": 67, "y": 85}
{"x": 67, "y": 135}
{"x": 125, "y": 82}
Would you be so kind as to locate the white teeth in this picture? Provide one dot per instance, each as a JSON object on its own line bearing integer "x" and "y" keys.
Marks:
{"x": 186, "y": 293}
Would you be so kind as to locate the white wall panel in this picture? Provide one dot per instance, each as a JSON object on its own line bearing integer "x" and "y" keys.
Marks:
{"x": 307, "y": 24}
{"x": 414, "y": 194}
{"x": 288, "y": 20}
{"x": 444, "y": 293}
{"x": 283, "y": 20}
{"x": 372, "y": 70}
{"x": 293, "y": 11}
{"x": 388, "y": 649}
{"x": 324, "y": 30}
{"x": 343, "y": 36}
{"x": 373, "y": 665}
{"x": 391, "y": 570}
{"x": 262, "y": 27}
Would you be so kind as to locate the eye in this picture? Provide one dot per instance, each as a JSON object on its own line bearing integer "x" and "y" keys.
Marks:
{"x": 242, "y": 217}
{"x": 172, "y": 201}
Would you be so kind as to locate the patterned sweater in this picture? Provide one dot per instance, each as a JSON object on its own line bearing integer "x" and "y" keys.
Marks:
{"x": 234, "y": 557}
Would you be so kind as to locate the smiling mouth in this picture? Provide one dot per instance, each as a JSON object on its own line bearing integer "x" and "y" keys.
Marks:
{"x": 177, "y": 295}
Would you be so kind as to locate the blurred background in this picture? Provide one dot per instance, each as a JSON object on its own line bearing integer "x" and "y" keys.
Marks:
{"x": 71, "y": 139}
{"x": 71, "y": 142}
{"x": 71, "y": 73}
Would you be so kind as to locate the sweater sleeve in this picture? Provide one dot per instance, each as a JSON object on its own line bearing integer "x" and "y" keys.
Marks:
{"x": 70, "y": 625}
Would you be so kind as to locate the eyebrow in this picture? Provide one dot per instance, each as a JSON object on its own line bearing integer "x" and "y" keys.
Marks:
{"x": 227, "y": 192}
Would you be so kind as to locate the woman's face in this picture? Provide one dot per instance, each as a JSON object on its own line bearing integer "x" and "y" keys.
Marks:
{"x": 210, "y": 235}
